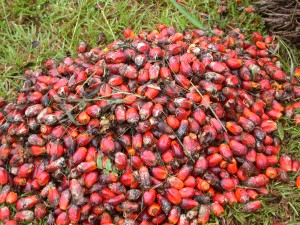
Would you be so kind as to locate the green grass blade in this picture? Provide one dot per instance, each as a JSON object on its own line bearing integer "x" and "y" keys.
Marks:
{"x": 190, "y": 17}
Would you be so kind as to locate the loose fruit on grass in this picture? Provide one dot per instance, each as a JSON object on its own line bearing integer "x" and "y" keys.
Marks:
{"x": 163, "y": 127}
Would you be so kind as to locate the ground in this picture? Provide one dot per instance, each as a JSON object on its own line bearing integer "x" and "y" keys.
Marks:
{"x": 33, "y": 31}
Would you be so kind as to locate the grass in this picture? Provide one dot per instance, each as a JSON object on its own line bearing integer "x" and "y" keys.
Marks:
{"x": 33, "y": 31}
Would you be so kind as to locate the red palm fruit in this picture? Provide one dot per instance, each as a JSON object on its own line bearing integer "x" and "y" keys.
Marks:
{"x": 285, "y": 162}
{"x": 159, "y": 219}
{"x": 4, "y": 213}
{"x": 252, "y": 194}
{"x": 298, "y": 182}
{"x": 107, "y": 145}
{"x": 200, "y": 166}
{"x": 272, "y": 160}
{"x": 268, "y": 126}
{"x": 120, "y": 160}
{"x": 241, "y": 195}
{"x": 149, "y": 197}
{"x": 145, "y": 181}
{"x": 187, "y": 192}
{"x": 225, "y": 151}
{"x": 246, "y": 124}
{"x": 261, "y": 45}
{"x": 271, "y": 150}
{"x": 79, "y": 155}
{"x": 189, "y": 204}
{"x": 107, "y": 193}
{"x": 93, "y": 111}
{"x": 11, "y": 222}
{"x": 53, "y": 197}
{"x": 154, "y": 71}
{"x": 149, "y": 158}
{"x": 159, "y": 172}
{"x": 24, "y": 216}
{"x": 83, "y": 118}
{"x": 204, "y": 213}
{"x": 74, "y": 213}
{"x": 190, "y": 182}
{"x": 199, "y": 116}
{"x": 216, "y": 125}
{"x": 257, "y": 36}
{"x": 248, "y": 140}
{"x": 25, "y": 170}
{"x": 148, "y": 139}
{"x": 252, "y": 206}
{"x": 237, "y": 148}
{"x": 173, "y": 196}
{"x": 157, "y": 110}
{"x": 4, "y": 151}
{"x": 202, "y": 184}
{"x": 217, "y": 67}
{"x": 282, "y": 175}
{"x": 77, "y": 191}
{"x": 136, "y": 162}
{"x": 174, "y": 64}
{"x": 11, "y": 198}
{"x": 271, "y": 172}
{"x": 120, "y": 114}
{"x": 152, "y": 91}
{"x": 194, "y": 97}
{"x": 185, "y": 68}
{"x": 261, "y": 161}
{"x": 231, "y": 81}
{"x": 258, "y": 107}
{"x": 146, "y": 110}
{"x": 257, "y": 181}
{"x": 273, "y": 114}
{"x": 295, "y": 165}
{"x": 137, "y": 141}
{"x": 177, "y": 150}
{"x": 184, "y": 172}
{"x": 231, "y": 198}
{"x": 182, "y": 81}
{"x": 64, "y": 200}
{"x": 174, "y": 215}
{"x": 175, "y": 182}
{"x": 116, "y": 200}
{"x": 214, "y": 160}
{"x": 219, "y": 198}
{"x": 183, "y": 220}
{"x": 165, "y": 73}
{"x": 27, "y": 202}
{"x": 127, "y": 179}
{"x": 228, "y": 184}
{"x": 3, "y": 176}
{"x": 62, "y": 219}
{"x": 117, "y": 188}
{"x": 55, "y": 165}
{"x": 83, "y": 139}
{"x": 234, "y": 63}
{"x": 173, "y": 122}
{"x": 154, "y": 209}
{"x": 43, "y": 178}
{"x": 163, "y": 143}
{"x": 4, "y": 193}
{"x": 91, "y": 154}
{"x": 54, "y": 149}
{"x": 217, "y": 209}
{"x": 40, "y": 211}
{"x": 115, "y": 80}
{"x": 106, "y": 219}
{"x": 95, "y": 198}
{"x": 19, "y": 181}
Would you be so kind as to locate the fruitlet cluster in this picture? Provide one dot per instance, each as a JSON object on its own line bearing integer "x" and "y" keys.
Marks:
{"x": 164, "y": 127}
